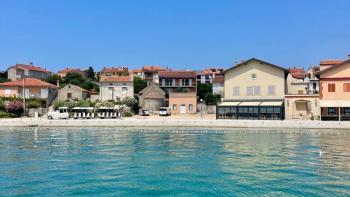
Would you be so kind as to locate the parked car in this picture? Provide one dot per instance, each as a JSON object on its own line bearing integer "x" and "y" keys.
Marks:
{"x": 61, "y": 113}
{"x": 144, "y": 112}
{"x": 164, "y": 111}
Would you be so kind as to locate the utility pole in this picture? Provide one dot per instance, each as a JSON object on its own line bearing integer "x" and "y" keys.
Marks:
{"x": 24, "y": 96}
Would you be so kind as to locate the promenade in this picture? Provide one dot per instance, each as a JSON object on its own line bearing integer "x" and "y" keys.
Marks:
{"x": 207, "y": 121}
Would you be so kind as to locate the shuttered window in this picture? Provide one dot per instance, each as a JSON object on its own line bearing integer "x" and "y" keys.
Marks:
{"x": 331, "y": 87}
{"x": 346, "y": 87}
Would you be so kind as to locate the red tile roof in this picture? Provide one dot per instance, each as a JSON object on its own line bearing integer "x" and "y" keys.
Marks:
{"x": 114, "y": 69}
{"x": 29, "y": 82}
{"x": 330, "y": 62}
{"x": 115, "y": 78}
{"x": 153, "y": 69}
{"x": 30, "y": 67}
{"x": 297, "y": 73}
{"x": 70, "y": 70}
{"x": 136, "y": 71}
{"x": 177, "y": 74}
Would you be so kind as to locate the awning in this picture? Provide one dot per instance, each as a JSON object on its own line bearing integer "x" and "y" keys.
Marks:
{"x": 302, "y": 101}
{"x": 228, "y": 104}
{"x": 335, "y": 103}
{"x": 249, "y": 104}
{"x": 271, "y": 103}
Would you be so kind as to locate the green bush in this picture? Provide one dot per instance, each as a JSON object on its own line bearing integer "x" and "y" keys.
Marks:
{"x": 6, "y": 115}
{"x": 56, "y": 104}
{"x": 132, "y": 103}
{"x": 127, "y": 114}
{"x": 2, "y": 104}
{"x": 34, "y": 104}
{"x": 84, "y": 103}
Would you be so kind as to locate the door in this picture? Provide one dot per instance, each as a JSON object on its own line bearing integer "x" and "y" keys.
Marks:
{"x": 182, "y": 109}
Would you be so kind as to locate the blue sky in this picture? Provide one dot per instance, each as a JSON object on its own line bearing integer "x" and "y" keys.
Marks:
{"x": 192, "y": 34}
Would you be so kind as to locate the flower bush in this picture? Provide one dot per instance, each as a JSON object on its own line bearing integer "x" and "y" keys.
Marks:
{"x": 15, "y": 107}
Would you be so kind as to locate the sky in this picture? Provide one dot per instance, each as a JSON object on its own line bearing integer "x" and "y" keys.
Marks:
{"x": 180, "y": 34}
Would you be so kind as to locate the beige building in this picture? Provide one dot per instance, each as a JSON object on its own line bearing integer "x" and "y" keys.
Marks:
{"x": 183, "y": 102}
{"x": 335, "y": 91}
{"x": 116, "y": 87}
{"x": 151, "y": 97}
{"x": 20, "y": 71}
{"x": 302, "y": 98}
{"x": 253, "y": 89}
{"x": 72, "y": 92}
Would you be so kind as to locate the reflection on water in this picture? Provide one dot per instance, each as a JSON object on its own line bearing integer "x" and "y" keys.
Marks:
{"x": 96, "y": 161}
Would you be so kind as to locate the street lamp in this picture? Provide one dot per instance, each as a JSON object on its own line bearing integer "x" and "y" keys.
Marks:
{"x": 201, "y": 100}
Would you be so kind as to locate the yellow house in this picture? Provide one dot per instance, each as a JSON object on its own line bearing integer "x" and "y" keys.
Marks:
{"x": 253, "y": 89}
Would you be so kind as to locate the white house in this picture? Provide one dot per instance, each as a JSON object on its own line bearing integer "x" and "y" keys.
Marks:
{"x": 116, "y": 87}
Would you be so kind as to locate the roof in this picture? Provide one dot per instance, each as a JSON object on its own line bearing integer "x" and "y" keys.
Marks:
{"x": 177, "y": 74}
{"x": 297, "y": 73}
{"x": 330, "y": 62}
{"x": 136, "y": 71}
{"x": 218, "y": 79}
{"x": 254, "y": 59}
{"x": 68, "y": 70}
{"x": 30, "y": 67}
{"x": 152, "y": 91}
{"x": 115, "y": 78}
{"x": 75, "y": 86}
{"x": 29, "y": 82}
{"x": 153, "y": 69}
{"x": 114, "y": 69}
{"x": 332, "y": 67}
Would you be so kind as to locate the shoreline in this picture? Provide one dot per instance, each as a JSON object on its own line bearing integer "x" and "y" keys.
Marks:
{"x": 174, "y": 123}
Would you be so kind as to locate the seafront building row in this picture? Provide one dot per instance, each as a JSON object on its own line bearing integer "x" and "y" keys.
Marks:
{"x": 251, "y": 89}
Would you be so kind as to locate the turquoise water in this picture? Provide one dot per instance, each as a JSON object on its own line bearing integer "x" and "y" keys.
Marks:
{"x": 186, "y": 162}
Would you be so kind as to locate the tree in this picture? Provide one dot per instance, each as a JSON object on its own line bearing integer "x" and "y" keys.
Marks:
{"x": 90, "y": 73}
{"x": 139, "y": 84}
{"x": 204, "y": 89}
{"x": 132, "y": 103}
{"x": 53, "y": 79}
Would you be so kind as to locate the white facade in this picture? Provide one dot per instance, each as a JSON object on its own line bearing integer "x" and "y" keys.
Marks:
{"x": 116, "y": 91}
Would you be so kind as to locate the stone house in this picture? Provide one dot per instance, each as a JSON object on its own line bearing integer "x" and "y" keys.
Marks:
{"x": 116, "y": 87}
{"x": 72, "y": 92}
{"x": 152, "y": 97}
{"x": 20, "y": 71}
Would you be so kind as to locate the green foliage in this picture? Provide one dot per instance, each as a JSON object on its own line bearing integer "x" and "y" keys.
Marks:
{"x": 79, "y": 80}
{"x": 33, "y": 104}
{"x": 84, "y": 103}
{"x": 14, "y": 107}
{"x": 126, "y": 114}
{"x": 2, "y": 80}
{"x": 179, "y": 90}
{"x": 2, "y": 104}
{"x": 104, "y": 104}
{"x": 90, "y": 73}
{"x": 139, "y": 84}
{"x": 203, "y": 89}
{"x": 6, "y": 115}
{"x": 3, "y": 77}
{"x": 211, "y": 99}
{"x": 56, "y": 104}
{"x": 53, "y": 80}
{"x": 132, "y": 103}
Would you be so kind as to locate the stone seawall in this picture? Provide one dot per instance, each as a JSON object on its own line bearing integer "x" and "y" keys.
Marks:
{"x": 132, "y": 122}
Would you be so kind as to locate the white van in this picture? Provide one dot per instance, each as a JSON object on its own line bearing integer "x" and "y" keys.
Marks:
{"x": 61, "y": 113}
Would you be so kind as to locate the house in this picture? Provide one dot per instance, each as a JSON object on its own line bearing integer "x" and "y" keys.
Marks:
{"x": 136, "y": 73}
{"x": 218, "y": 85}
{"x": 151, "y": 73}
{"x": 62, "y": 73}
{"x": 152, "y": 97}
{"x": 253, "y": 89}
{"x": 20, "y": 71}
{"x": 72, "y": 92}
{"x": 181, "y": 90}
{"x": 335, "y": 90}
{"x": 302, "y": 97}
{"x": 116, "y": 87}
{"x": 114, "y": 71}
{"x": 33, "y": 88}
{"x": 208, "y": 75}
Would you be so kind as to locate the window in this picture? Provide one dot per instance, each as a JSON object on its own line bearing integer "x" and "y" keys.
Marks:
{"x": 346, "y": 87}
{"x": 69, "y": 95}
{"x": 331, "y": 111}
{"x": 347, "y": 110}
{"x": 124, "y": 84}
{"x": 7, "y": 92}
{"x": 236, "y": 91}
{"x": 331, "y": 87}
{"x": 314, "y": 86}
{"x": 168, "y": 82}
{"x": 257, "y": 91}
{"x": 185, "y": 82}
{"x": 124, "y": 90}
{"x": 174, "y": 107}
{"x": 271, "y": 90}
{"x": 190, "y": 107}
{"x": 249, "y": 91}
